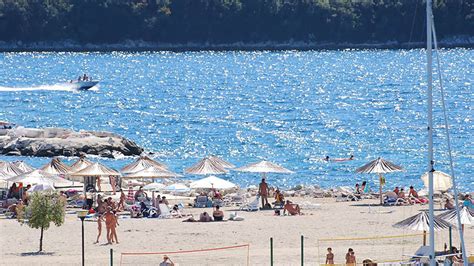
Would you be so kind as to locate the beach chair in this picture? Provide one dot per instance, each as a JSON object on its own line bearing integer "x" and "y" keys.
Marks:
{"x": 252, "y": 206}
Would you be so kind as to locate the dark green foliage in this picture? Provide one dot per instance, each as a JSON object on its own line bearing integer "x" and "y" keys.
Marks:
{"x": 227, "y": 21}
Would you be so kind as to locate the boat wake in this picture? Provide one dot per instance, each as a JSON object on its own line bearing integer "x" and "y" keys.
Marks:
{"x": 56, "y": 87}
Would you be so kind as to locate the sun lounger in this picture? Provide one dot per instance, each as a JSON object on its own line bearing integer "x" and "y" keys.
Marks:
{"x": 252, "y": 206}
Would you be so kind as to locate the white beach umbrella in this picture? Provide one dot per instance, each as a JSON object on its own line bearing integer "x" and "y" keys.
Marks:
{"x": 212, "y": 182}
{"x": 206, "y": 166}
{"x": 441, "y": 181}
{"x": 23, "y": 166}
{"x": 466, "y": 215}
{"x": 420, "y": 222}
{"x": 56, "y": 167}
{"x": 379, "y": 166}
{"x": 41, "y": 187}
{"x": 142, "y": 163}
{"x": 264, "y": 167}
{"x": 177, "y": 187}
{"x": 154, "y": 186}
{"x": 152, "y": 172}
{"x": 221, "y": 162}
{"x": 37, "y": 177}
{"x": 80, "y": 164}
{"x": 96, "y": 169}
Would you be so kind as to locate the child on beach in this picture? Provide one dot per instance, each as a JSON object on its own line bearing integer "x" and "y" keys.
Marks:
{"x": 350, "y": 258}
{"x": 330, "y": 257}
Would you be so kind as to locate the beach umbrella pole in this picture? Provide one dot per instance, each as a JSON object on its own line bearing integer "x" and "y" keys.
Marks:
{"x": 424, "y": 238}
{"x": 380, "y": 189}
{"x": 450, "y": 238}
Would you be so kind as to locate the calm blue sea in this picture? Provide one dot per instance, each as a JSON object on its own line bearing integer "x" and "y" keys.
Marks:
{"x": 292, "y": 108}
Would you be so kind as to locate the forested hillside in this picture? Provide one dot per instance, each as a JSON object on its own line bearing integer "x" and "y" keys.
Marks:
{"x": 229, "y": 21}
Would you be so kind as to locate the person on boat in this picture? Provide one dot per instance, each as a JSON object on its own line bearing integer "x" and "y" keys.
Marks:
{"x": 85, "y": 78}
{"x": 263, "y": 191}
{"x": 291, "y": 208}
{"x": 79, "y": 79}
{"x": 350, "y": 258}
{"x": 330, "y": 257}
{"x": 218, "y": 215}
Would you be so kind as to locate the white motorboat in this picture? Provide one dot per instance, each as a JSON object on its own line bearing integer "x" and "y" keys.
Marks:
{"x": 84, "y": 85}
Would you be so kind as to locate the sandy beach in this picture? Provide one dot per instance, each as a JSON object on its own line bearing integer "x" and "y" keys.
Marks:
{"x": 332, "y": 220}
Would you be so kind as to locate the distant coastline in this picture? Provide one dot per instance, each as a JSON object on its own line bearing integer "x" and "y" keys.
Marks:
{"x": 138, "y": 45}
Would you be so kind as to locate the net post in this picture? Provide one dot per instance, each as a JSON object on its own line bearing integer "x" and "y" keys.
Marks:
{"x": 111, "y": 257}
{"x": 302, "y": 250}
{"x": 248, "y": 254}
{"x": 271, "y": 251}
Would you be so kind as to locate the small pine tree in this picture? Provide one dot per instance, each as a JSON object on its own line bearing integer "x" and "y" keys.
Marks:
{"x": 43, "y": 209}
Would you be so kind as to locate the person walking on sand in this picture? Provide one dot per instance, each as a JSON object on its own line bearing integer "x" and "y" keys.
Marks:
{"x": 350, "y": 258}
{"x": 113, "y": 230}
{"x": 330, "y": 257}
{"x": 263, "y": 192}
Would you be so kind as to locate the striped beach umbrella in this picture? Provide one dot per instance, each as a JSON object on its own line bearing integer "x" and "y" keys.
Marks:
{"x": 379, "y": 166}
{"x": 142, "y": 163}
{"x": 206, "y": 166}
{"x": 420, "y": 222}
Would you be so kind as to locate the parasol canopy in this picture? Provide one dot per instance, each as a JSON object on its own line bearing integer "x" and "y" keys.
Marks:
{"x": 177, "y": 187}
{"x": 467, "y": 216}
{"x": 152, "y": 172}
{"x": 206, "y": 166}
{"x": 8, "y": 169}
{"x": 379, "y": 166}
{"x": 420, "y": 222}
{"x": 41, "y": 187}
{"x": 213, "y": 182}
{"x": 441, "y": 181}
{"x": 154, "y": 186}
{"x": 56, "y": 167}
{"x": 141, "y": 163}
{"x": 264, "y": 167}
{"x": 80, "y": 164}
{"x": 37, "y": 177}
{"x": 221, "y": 162}
{"x": 23, "y": 166}
{"x": 96, "y": 169}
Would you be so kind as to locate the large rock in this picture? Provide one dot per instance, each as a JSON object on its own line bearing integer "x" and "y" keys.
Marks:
{"x": 50, "y": 142}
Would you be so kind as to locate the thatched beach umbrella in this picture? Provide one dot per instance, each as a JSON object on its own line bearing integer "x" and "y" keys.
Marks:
{"x": 23, "y": 166}
{"x": 56, "y": 167}
{"x": 379, "y": 166}
{"x": 221, "y": 162}
{"x": 141, "y": 163}
{"x": 37, "y": 177}
{"x": 420, "y": 222}
{"x": 97, "y": 170}
{"x": 264, "y": 167}
{"x": 441, "y": 181}
{"x": 8, "y": 169}
{"x": 212, "y": 182}
{"x": 466, "y": 215}
{"x": 152, "y": 172}
{"x": 206, "y": 166}
{"x": 77, "y": 166}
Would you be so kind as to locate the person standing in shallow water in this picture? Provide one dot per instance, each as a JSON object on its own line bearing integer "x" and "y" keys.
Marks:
{"x": 263, "y": 192}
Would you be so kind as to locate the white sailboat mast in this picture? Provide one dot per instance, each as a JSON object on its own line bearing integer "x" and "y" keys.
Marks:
{"x": 429, "y": 70}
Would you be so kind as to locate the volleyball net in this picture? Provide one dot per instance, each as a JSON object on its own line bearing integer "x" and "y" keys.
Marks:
{"x": 383, "y": 249}
{"x": 230, "y": 255}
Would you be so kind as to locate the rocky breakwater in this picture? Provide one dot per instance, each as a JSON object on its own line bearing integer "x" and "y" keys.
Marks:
{"x": 48, "y": 142}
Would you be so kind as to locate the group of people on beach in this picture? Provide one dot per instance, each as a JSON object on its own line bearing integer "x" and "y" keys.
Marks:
{"x": 106, "y": 211}
{"x": 350, "y": 257}
{"x": 289, "y": 207}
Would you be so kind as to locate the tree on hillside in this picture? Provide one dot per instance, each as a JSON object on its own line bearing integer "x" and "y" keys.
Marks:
{"x": 43, "y": 209}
